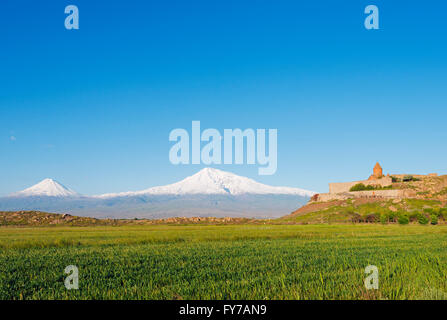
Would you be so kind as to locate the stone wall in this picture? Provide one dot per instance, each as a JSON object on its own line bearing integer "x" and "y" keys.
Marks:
{"x": 386, "y": 194}
{"x": 346, "y": 186}
{"x": 419, "y": 176}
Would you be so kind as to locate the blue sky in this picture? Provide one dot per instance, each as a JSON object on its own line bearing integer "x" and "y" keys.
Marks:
{"x": 93, "y": 108}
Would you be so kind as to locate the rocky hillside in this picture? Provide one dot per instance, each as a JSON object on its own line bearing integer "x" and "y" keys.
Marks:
{"x": 430, "y": 200}
{"x": 369, "y": 211}
{"x": 426, "y": 187}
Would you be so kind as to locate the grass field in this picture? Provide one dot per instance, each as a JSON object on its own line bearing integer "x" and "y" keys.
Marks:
{"x": 224, "y": 262}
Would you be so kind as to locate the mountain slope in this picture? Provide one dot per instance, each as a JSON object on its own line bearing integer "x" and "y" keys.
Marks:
{"x": 214, "y": 181}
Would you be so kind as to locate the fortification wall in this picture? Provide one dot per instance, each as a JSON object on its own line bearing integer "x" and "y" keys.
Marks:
{"x": 386, "y": 194}
{"x": 419, "y": 176}
{"x": 341, "y": 187}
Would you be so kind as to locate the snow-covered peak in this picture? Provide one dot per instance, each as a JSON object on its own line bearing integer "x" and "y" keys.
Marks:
{"x": 47, "y": 187}
{"x": 214, "y": 181}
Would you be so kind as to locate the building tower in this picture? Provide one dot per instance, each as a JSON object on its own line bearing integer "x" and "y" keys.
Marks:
{"x": 377, "y": 172}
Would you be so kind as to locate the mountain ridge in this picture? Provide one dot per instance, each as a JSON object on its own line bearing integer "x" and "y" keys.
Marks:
{"x": 214, "y": 181}
{"x": 209, "y": 192}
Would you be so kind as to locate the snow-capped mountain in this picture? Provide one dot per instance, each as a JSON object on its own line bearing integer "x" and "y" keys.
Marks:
{"x": 48, "y": 188}
{"x": 210, "y": 192}
{"x": 213, "y": 181}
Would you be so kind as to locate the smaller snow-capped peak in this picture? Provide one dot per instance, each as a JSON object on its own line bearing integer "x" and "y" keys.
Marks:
{"x": 47, "y": 187}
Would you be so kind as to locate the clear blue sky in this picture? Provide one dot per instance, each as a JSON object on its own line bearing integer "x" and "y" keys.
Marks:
{"x": 93, "y": 108}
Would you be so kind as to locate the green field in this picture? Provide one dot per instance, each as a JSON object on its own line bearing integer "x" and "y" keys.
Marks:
{"x": 224, "y": 262}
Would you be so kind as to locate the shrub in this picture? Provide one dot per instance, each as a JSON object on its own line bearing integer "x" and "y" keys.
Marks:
{"x": 395, "y": 179}
{"x": 408, "y": 178}
{"x": 371, "y": 218}
{"x": 356, "y": 218}
{"x": 423, "y": 219}
{"x": 434, "y": 219}
{"x": 384, "y": 219}
{"x": 443, "y": 213}
{"x": 403, "y": 219}
{"x": 413, "y": 216}
{"x": 361, "y": 187}
{"x": 437, "y": 212}
{"x": 392, "y": 216}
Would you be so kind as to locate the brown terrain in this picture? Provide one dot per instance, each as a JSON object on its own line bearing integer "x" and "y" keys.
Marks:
{"x": 38, "y": 218}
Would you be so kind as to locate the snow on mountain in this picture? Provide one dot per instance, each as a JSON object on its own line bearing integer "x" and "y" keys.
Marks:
{"x": 211, "y": 181}
{"x": 208, "y": 193}
{"x": 47, "y": 187}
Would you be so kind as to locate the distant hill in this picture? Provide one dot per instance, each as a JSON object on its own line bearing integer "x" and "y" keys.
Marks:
{"x": 45, "y": 219}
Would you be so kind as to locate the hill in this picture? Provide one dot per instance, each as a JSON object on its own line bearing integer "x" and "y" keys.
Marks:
{"x": 43, "y": 219}
{"x": 368, "y": 211}
{"x": 429, "y": 199}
